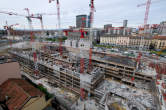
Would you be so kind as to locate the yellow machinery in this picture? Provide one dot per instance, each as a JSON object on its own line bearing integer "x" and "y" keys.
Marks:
{"x": 160, "y": 52}
{"x": 117, "y": 106}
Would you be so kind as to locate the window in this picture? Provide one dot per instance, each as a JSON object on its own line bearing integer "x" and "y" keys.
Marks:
{"x": 82, "y": 45}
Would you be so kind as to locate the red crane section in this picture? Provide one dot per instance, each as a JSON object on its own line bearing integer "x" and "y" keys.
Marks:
{"x": 9, "y": 29}
{"x": 10, "y": 26}
{"x": 59, "y": 26}
{"x": 137, "y": 65}
{"x": 147, "y": 12}
{"x": 82, "y": 92}
{"x": 148, "y": 3}
{"x": 82, "y": 37}
{"x": 82, "y": 30}
{"x": 159, "y": 67}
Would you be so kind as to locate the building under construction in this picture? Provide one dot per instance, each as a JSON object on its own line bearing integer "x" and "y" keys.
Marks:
{"x": 62, "y": 70}
{"x": 84, "y": 79}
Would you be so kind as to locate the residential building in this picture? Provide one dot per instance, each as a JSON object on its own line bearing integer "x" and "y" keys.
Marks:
{"x": 115, "y": 40}
{"x": 18, "y": 94}
{"x": 129, "y": 41}
{"x": 75, "y": 34}
{"x": 136, "y": 42}
{"x": 123, "y": 41}
{"x": 159, "y": 42}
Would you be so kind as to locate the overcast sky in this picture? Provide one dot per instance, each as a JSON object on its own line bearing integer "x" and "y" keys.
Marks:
{"x": 107, "y": 12}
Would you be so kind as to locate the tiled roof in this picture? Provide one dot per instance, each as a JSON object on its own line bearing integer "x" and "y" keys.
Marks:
{"x": 18, "y": 92}
{"x": 160, "y": 37}
{"x": 139, "y": 37}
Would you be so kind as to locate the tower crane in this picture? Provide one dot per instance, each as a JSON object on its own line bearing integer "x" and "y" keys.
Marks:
{"x": 81, "y": 52}
{"x": 144, "y": 4}
{"x": 9, "y": 28}
{"x": 145, "y": 21}
{"x": 9, "y": 13}
{"x": 147, "y": 10}
{"x": 40, "y": 17}
{"x": 92, "y": 10}
{"x": 16, "y": 14}
{"x": 147, "y": 4}
{"x": 36, "y": 16}
{"x": 29, "y": 18}
{"x": 59, "y": 25}
{"x": 35, "y": 59}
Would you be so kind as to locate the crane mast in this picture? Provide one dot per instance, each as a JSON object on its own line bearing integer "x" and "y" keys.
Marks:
{"x": 82, "y": 91}
{"x": 81, "y": 51}
{"x": 148, "y": 3}
{"x": 29, "y": 19}
{"x": 41, "y": 22}
{"x": 92, "y": 9}
{"x": 32, "y": 41}
{"x": 9, "y": 29}
{"x": 59, "y": 25}
{"x": 147, "y": 12}
{"x": 58, "y": 14}
{"x": 40, "y": 17}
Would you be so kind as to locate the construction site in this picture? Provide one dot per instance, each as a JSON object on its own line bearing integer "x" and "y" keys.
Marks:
{"x": 108, "y": 80}
{"x": 83, "y": 77}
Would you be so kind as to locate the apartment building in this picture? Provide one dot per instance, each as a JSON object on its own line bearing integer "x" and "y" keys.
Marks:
{"x": 114, "y": 40}
{"x": 136, "y": 41}
{"x": 159, "y": 42}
